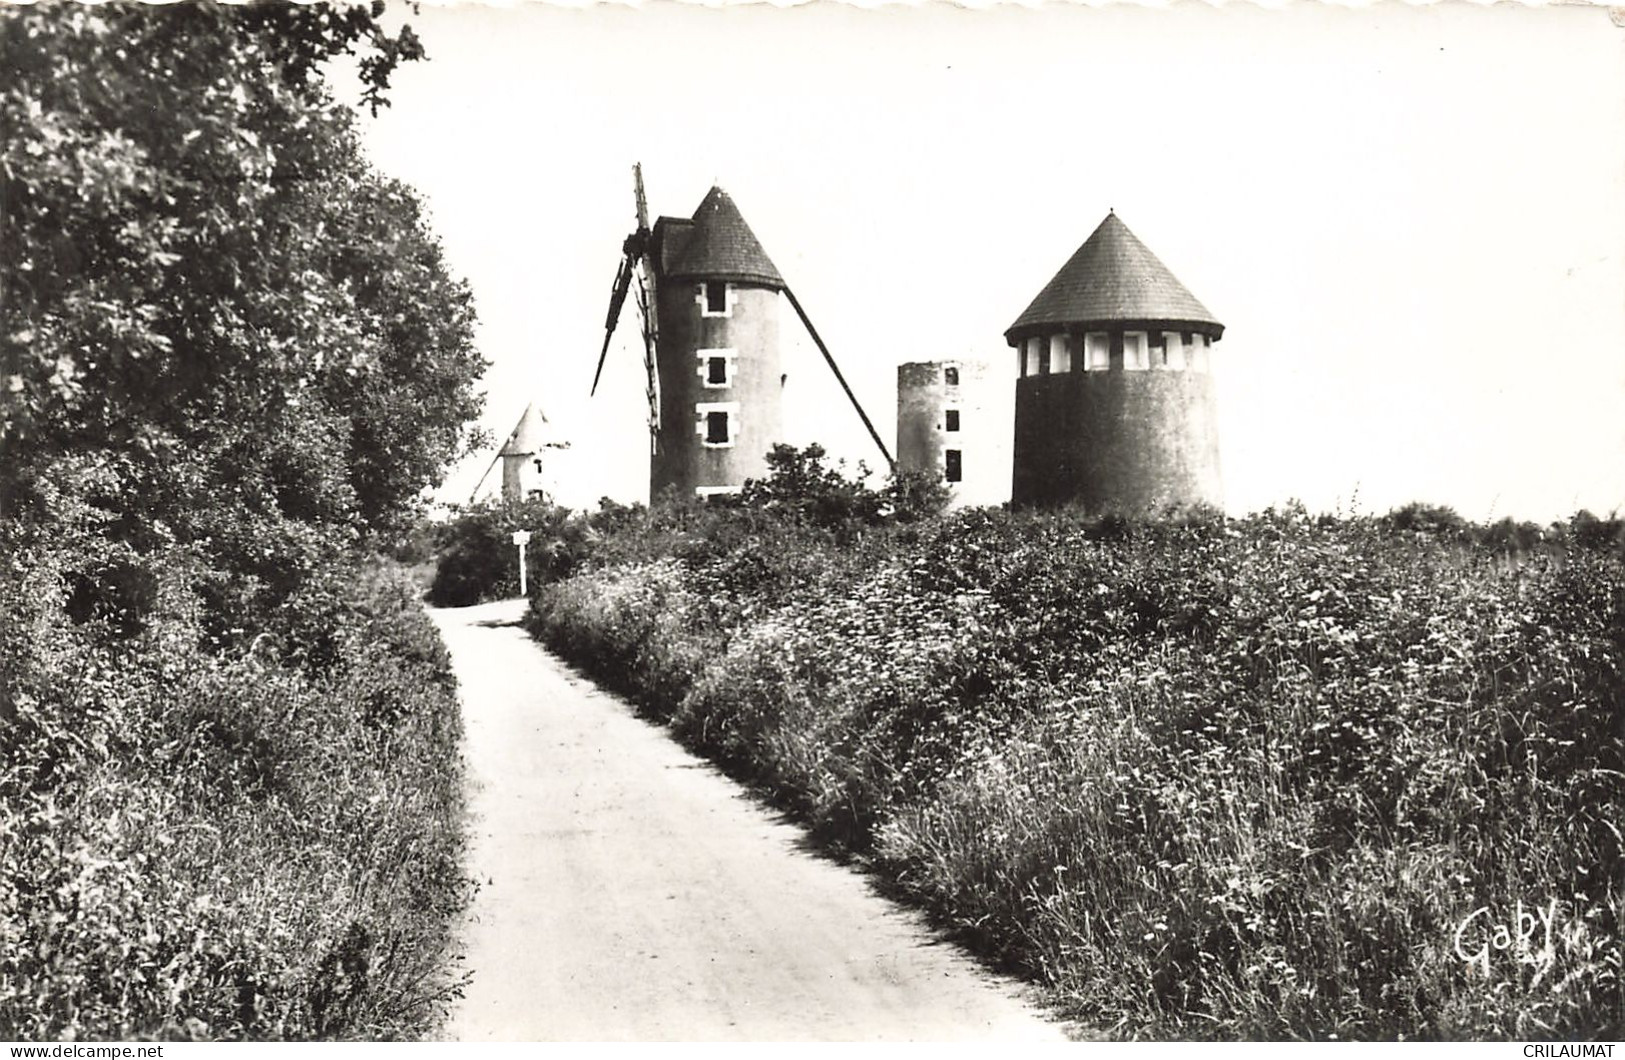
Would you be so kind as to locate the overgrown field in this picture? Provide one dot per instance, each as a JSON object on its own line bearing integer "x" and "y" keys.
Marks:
{"x": 1276, "y": 777}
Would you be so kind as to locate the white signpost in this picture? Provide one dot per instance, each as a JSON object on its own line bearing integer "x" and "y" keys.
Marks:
{"x": 522, "y": 538}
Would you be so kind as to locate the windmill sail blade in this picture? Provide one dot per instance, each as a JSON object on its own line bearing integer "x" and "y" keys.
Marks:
{"x": 638, "y": 257}
{"x": 864, "y": 416}
{"x": 648, "y": 300}
{"x": 617, "y": 298}
{"x": 651, "y": 340}
{"x": 637, "y": 189}
{"x": 651, "y": 366}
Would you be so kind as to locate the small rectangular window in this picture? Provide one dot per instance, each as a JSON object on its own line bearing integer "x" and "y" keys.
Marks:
{"x": 951, "y": 420}
{"x": 715, "y": 367}
{"x": 953, "y": 469}
{"x": 1173, "y": 351}
{"x": 1060, "y": 354}
{"x": 1136, "y": 351}
{"x": 1098, "y": 351}
{"x": 717, "y": 423}
{"x": 1200, "y": 346}
{"x": 716, "y": 297}
{"x": 950, "y": 376}
{"x": 1033, "y": 345}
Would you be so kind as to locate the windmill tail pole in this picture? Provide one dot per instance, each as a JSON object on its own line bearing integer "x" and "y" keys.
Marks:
{"x": 839, "y": 378}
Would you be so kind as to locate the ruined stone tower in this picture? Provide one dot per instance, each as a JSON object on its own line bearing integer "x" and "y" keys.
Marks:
{"x": 953, "y": 421}
{"x": 1114, "y": 401}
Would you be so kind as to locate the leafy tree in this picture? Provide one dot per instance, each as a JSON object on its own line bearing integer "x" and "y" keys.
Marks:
{"x": 914, "y": 495}
{"x": 478, "y": 560}
{"x": 801, "y": 487}
{"x": 220, "y": 328}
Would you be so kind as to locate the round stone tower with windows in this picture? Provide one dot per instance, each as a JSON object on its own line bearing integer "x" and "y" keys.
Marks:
{"x": 720, "y": 376}
{"x": 1115, "y": 406}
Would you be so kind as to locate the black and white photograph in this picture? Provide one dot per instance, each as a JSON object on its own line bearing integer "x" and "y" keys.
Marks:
{"x": 1043, "y": 523}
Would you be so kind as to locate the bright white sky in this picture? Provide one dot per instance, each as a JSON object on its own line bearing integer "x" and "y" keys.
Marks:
{"x": 1410, "y": 220}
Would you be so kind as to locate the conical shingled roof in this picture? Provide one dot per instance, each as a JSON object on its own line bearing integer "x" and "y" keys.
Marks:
{"x": 1113, "y": 278}
{"x": 530, "y": 435}
{"x": 716, "y": 245}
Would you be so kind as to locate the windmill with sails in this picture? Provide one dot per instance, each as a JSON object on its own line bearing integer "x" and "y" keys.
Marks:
{"x": 708, "y": 303}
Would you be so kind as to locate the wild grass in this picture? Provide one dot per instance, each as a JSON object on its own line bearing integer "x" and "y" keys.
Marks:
{"x": 1278, "y": 777}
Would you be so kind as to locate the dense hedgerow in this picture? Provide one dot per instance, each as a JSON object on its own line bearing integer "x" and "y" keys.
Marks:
{"x": 225, "y": 845}
{"x": 477, "y": 560}
{"x": 1205, "y": 777}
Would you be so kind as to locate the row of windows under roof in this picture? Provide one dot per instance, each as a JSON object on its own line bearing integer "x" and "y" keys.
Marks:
{"x": 1172, "y": 351}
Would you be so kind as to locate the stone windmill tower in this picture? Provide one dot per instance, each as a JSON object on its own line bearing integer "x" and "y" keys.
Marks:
{"x": 1114, "y": 402}
{"x": 709, "y": 300}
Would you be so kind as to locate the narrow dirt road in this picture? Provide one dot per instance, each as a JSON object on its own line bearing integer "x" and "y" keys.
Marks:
{"x": 631, "y": 892}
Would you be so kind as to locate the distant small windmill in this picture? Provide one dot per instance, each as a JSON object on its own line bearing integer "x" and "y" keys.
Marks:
{"x": 521, "y": 456}
{"x": 707, "y": 296}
